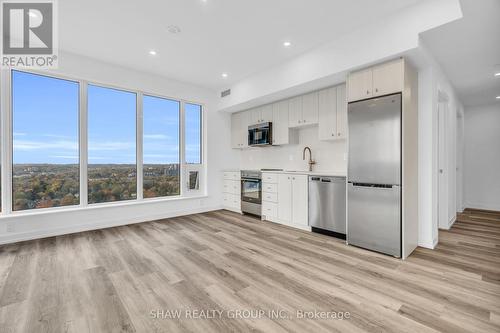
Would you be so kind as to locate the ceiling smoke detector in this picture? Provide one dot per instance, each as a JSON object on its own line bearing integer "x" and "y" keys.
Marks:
{"x": 173, "y": 29}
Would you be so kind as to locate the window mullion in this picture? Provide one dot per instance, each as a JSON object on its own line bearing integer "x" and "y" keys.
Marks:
{"x": 182, "y": 149}
{"x": 83, "y": 136}
{"x": 139, "y": 147}
{"x": 6, "y": 142}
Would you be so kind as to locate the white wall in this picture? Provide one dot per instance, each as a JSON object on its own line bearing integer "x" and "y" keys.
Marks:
{"x": 26, "y": 225}
{"x": 432, "y": 83}
{"x": 482, "y": 157}
{"x": 329, "y": 155}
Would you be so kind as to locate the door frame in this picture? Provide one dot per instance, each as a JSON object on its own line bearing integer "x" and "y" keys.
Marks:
{"x": 443, "y": 110}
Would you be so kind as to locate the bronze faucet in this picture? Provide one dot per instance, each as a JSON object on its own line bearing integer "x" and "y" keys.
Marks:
{"x": 311, "y": 161}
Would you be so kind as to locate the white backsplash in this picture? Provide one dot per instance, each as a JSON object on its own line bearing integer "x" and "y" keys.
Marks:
{"x": 329, "y": 155}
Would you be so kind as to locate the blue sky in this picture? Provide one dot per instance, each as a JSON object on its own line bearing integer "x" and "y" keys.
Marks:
{"x": 45, "y": 124}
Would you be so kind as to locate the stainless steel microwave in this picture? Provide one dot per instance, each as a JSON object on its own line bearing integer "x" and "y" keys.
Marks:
{"x": 260, "y": 134}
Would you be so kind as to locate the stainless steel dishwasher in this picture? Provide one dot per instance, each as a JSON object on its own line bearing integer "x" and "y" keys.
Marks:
{"x": 327, "y": 205}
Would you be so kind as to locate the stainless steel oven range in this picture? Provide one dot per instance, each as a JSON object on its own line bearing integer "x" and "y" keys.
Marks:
{"x": 251, "y": 192}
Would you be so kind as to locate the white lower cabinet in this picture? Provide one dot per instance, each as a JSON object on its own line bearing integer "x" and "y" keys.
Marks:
{"x": 300, "y": 200}
{"x": 231, "y": 196}
{"x": 285, "y": 199}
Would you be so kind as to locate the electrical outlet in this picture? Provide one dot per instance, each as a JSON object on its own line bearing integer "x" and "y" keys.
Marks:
{"x": 290, "y": 157}
{"x": 10, "y": 227}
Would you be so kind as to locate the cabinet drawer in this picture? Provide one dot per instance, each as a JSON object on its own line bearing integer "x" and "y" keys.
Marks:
{"x": 269, "y": 210}
{"x": 270, "y": 197}
{"x": 231, "y": 200}
{"x": 270, "y": 178}
{"x": 231, "y": 175}
{"x": 270, "y": 188}
{"x": 231, "y": 186}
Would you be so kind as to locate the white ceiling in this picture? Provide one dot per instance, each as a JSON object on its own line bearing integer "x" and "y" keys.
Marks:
{"x": 469, "y": 51}
{"x": 239, "y": 37}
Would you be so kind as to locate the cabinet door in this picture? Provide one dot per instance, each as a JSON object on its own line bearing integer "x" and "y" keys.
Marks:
{"x": 285, "y": 199}
{"x": 388, "y": 78}
{"x": 300, "y": 212}
{"x": 295, "y": 111}
{"x": 236, "y": 130}
{"x": 266, "y": 113}
{"x": 244, "y": 122}
{"x": 310, "y": 108}
{"x": 280, "y": 123}
{"x": 341, "y": 112}
{"x": 360, "y": 85}
{"x": 254, "y": 116}
{"x": 327, "y": 114}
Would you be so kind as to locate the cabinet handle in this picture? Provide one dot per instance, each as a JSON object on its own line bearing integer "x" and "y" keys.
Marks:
{"x": 368, "y": 92}
{"x": 376, "y": 89}
{"x": 304, "y": 120}
{"x": 339, "y": 133}
{"x": 333, "y": 134}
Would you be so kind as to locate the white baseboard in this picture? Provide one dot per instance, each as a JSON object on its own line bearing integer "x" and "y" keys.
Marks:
{"x": 476, "y": 205}
{"x": 30, "y": 235}
{"x": 428, "y": 244}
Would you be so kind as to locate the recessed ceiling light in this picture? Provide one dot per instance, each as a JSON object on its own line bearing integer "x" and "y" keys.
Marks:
{"x": 173, "y": 29}
{"x": 224, "y": 75}
{"x": 152, "y": 52}
{"x": 498, "y": 97}
{"x": 497, "y": 74}
{"x": 287, "y": 44}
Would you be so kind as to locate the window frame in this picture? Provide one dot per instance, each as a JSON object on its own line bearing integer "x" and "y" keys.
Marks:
{"x": 6, "y": 146}
{"x": 11, "y": 144}
{"x": 181, "y": 145}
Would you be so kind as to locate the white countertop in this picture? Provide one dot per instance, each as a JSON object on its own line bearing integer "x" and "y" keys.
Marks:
{"x": 311, "y": 173}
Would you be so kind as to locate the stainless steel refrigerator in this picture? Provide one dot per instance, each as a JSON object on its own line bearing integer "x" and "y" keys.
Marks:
{"x": 374, "y": 174}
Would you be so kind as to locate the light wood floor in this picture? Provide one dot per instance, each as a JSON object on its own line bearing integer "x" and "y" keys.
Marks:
{"x": 110, "y": 280}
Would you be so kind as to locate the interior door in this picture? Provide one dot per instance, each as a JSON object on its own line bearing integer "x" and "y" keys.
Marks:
{"x": 442, "y": 166}
{"x": 374, "y": 218}
{"x": 375, "y": 141}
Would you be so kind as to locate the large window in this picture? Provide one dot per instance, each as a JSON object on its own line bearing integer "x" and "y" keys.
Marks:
{"x": 112, "y": 172}
{"x": 45, "y": 157}
{"x": 51, "y": 128}
{"x": 161, "y": 123}
{"x": 193, "y": 133}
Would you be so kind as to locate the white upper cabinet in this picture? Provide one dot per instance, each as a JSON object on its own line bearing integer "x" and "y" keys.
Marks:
{"x": 332, "y": 113}
{"x": 282, "y": 134}
{"x": 262, "y": 114}
{"x": 303, "y": 110}
{"x": 254, "y": 116}
{"x": 388, "y": 78}
{"x": 310, "y": 108}
{"x": 360, "y": 85}
{"x": 341, "y": 112}
{"x": 239, "y": 129}
{"x": 384, "y": 79}
{"x": 295, "y": 111}
{"x": 327, "y": 115}
{"x": 266, "y": 113}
